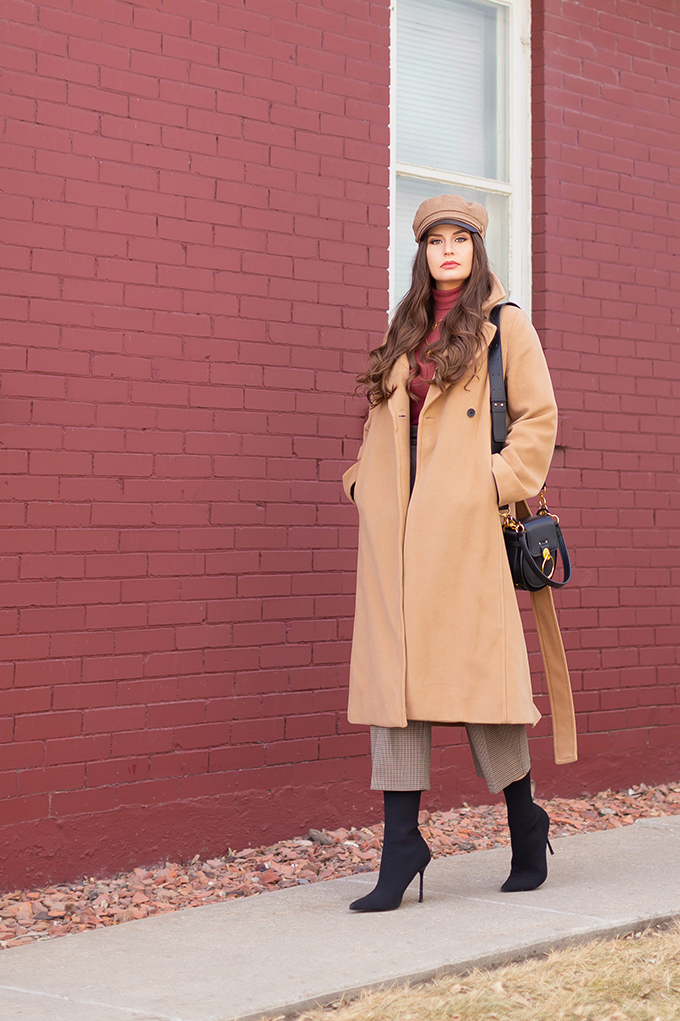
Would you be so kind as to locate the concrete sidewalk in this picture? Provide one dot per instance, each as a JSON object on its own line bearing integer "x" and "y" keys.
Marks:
{"x": 285, "y": 950}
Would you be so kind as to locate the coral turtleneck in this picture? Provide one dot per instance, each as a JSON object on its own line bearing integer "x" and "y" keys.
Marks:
{"x": 420, "y": 386}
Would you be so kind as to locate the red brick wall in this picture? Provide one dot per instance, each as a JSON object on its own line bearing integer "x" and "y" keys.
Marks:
{"x": 194, "y": 215}
{"x": 607, "y": 268}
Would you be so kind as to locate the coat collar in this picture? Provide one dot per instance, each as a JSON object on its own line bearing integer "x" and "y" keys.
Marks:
{"x": 497, "y": 294}
{"x": 399, "y": 403}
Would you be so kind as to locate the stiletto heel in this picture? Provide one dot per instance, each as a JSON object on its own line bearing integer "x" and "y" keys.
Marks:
{"x": 397, "y": 873}
{"x": 549, "y": 846}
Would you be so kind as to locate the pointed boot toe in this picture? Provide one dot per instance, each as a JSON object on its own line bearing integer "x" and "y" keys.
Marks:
{"x": 398, "y": 868}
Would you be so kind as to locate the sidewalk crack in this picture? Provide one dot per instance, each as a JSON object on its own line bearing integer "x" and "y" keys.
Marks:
{"x": 138, "y": 1012}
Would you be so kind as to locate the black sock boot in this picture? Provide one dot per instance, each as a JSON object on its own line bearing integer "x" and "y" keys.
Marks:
{"x": 404, "y": 854}
{"x": 529, "y": 825}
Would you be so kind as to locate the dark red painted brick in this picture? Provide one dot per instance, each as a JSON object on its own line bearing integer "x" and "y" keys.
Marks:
{"x": 207, "y": 221}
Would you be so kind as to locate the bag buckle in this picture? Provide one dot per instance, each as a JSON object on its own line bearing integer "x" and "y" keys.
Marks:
{"x": 548, "y": 562}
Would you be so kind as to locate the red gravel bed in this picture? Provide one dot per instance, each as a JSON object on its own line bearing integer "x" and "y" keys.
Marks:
{"x": 30, "y": 915}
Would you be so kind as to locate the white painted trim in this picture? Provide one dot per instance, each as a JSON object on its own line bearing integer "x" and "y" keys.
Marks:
{"x": 393, "y": 161}
{"x": 520, "y": 282}
{"x": 518, "y": 188}
{"x": 464, "y": 180}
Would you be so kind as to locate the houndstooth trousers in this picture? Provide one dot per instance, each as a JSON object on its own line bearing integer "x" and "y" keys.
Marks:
{"x": 401, "y": 755}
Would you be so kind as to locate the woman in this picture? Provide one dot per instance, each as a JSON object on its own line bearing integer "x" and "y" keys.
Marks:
{"x": 437, "y": 632}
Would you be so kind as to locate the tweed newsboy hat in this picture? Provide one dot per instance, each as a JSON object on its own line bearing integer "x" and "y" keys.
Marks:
{"x": 450, "y": 209}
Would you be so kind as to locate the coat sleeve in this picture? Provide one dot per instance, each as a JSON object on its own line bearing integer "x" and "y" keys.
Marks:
{"x": 350, "y": 476}
{"x": 520, "y": 469}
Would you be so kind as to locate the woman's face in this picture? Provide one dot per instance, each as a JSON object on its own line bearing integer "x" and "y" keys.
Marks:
{"x": 449, "y": 255}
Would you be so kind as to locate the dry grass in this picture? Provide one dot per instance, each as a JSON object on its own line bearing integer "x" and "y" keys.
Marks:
{"x": 633, "y": 978}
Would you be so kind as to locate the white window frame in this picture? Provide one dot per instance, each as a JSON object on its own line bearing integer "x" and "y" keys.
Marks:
{"x": 518, "y": 187}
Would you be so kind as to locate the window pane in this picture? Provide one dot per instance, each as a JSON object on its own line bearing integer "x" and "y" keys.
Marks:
{"x": 450, "y": 78}
{"x": 411, "y": 192}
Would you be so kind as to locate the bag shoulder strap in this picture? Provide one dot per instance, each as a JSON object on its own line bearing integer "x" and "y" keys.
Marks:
{"x": 499, "y": 405}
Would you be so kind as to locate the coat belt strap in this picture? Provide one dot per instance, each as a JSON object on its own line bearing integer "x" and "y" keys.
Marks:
{"x": 556, "y": 670}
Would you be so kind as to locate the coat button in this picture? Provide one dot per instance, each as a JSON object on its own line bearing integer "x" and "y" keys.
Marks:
{"x": 471, "y": 412}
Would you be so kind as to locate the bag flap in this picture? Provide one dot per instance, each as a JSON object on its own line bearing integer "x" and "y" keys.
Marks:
{"x": 540, "y": 532}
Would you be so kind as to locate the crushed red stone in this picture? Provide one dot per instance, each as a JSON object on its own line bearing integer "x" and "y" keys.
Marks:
{"x": 30, "y": 915}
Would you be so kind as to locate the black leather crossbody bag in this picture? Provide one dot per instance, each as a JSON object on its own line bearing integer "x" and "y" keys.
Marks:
{"x": 532, "y": 543}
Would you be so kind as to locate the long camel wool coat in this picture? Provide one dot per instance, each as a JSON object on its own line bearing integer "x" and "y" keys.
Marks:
{"x": 437, "y": 629}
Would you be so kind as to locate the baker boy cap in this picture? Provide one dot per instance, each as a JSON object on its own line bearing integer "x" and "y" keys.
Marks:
{"x": 450, "y": 209}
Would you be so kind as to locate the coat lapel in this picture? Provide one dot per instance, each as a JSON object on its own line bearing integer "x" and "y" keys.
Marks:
{"x": 400, "y": 409}
{"x": 433, "y": 393}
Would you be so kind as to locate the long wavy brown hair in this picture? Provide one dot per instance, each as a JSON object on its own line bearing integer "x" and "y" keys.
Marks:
{"x": 460, "y": 333}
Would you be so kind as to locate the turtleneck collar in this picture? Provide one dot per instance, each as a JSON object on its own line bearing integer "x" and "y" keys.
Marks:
{"x": 445, "y": 300}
